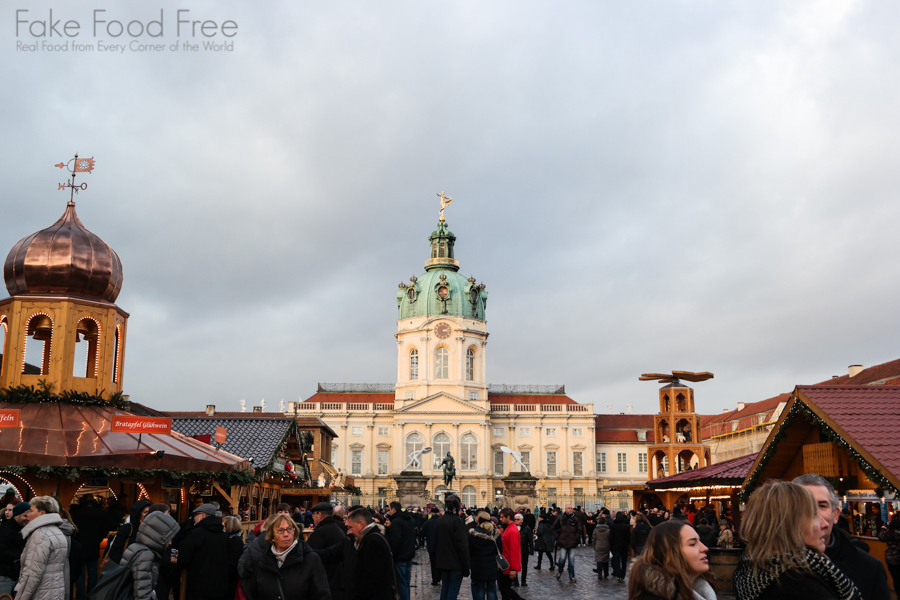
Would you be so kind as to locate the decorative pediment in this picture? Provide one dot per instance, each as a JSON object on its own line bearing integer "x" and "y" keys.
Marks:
{"x": 442, "y": 403}
{"x": 526, "y": 447}
{"x": 357, "y": 446}
{"x": 383, "y": 446}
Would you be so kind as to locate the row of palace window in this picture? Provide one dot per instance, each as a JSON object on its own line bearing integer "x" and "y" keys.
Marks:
{"x": 499, "y": 432}
{"x": 441, "y": 364}
{"x": 39, "y": 345}
{"x": 468, "y": 457}
{"x": 621, "y": 462}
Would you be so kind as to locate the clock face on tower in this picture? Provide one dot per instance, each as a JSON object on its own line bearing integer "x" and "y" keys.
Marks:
{"x": 442, "y": 331}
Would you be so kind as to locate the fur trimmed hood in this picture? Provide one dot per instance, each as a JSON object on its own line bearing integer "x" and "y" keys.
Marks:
{"x": 660, "y": 584}
{"x": 485, "y": 535}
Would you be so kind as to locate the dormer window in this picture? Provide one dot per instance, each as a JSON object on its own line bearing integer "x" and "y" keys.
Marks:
{"x": 642, "y": 435}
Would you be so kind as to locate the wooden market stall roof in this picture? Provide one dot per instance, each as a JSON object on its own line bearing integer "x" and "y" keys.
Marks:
{"x": 862, "y": 419}
{"x": 730, "y": 472}
{"x": 57, "y": 434}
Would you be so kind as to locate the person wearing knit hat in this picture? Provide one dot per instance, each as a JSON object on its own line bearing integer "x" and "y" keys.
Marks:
{"x": 11, "y": 546}
{"x": 484, "y": 546}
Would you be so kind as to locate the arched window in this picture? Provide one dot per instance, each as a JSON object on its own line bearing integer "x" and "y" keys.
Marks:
{"x": 3, "y": 332}
{"x": 468, "y": 449}
{"x": 441, "y": 363}
{"x": 117, "y": 354}
{"x": 441, "y": 445}
{"x": 468, "y": 496}
{"x": 414, "y": 364}
{"x": 40, "y": 330}
{"x": 470, "y": 364}
{"x": 414, "y": 443}
{"x": 85, "y": 359}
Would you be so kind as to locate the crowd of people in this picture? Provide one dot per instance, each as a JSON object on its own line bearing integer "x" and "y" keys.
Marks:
{"x": 793, "y": 545}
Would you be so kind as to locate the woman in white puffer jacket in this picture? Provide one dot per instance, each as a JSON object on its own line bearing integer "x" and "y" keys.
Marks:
{"x": 45, "y": 560}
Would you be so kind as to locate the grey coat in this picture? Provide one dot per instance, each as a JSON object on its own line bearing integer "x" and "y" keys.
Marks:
{"x": 45, "y": 560}
{"x": 601, "y": 543}
{"x": 154, "y": 534}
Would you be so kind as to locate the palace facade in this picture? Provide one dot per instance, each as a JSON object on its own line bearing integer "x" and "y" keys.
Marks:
{"x": 441, "y": 400}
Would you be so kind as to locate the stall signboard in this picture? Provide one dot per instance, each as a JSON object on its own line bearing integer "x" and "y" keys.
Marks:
{"x": 278, "y": 464}
{"x": 129, "y": 424}
{"x": 9, "y": 417}
{"x": 221, "y": 432}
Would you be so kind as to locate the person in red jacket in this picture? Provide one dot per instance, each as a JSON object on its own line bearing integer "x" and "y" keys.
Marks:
{"x": 512, "y": 552}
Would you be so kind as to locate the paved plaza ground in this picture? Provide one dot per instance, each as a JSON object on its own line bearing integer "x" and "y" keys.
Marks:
{"x": 541, "y": 584}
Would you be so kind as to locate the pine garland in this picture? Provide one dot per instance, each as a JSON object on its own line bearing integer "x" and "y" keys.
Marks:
{"x": 27, "y": 394}
{"x": 73, "y": 473}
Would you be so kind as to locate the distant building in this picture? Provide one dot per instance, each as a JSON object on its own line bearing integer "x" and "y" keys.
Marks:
{"x": 621, "y": 455}
{"x": 741, "y": 431}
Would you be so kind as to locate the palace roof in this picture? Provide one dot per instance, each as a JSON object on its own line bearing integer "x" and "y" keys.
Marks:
{"x": 881, "y": 374}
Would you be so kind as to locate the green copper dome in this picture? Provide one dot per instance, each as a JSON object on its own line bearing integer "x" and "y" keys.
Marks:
{"x": 441, "y": 290}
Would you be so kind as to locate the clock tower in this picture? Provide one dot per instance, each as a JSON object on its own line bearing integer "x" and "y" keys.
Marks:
{"x": 441, "y": 330}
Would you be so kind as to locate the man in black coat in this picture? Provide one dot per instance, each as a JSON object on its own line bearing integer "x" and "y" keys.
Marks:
{"x": 451, "y": 545}
{"x": 619, "y": 541}
{"x": 326, "y": 534}
{"x": 428, "y": 531}
{"x": 401, "y": 533}
{"x": 90, "y": 520}
{"x": 863, "y": 569}
{"x": 11, "y": 546}
{"x": 127, "y": 533}
{"x": 372, "y": 576}
{"x": 204, "y": 553}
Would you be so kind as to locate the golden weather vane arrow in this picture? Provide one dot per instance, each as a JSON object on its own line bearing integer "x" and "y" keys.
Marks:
{"x": 81, "y": 165}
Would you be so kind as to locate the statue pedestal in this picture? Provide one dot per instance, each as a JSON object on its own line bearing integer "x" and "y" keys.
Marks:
{"x": 518, "y": 489}
{"x": 411, "y": 488}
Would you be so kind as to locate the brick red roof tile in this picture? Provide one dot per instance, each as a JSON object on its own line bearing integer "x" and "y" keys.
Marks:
{"x": 731, "y": 472}
{"x": 867, "y": 413}
{"x": 722, "y": 423}
{"x": 622, "y": 428}
{"x": 876, "y": 375}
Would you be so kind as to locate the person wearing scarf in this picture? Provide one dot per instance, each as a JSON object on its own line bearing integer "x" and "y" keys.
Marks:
{"x": 784, "y": 559}
{"x": 290, "y": 569}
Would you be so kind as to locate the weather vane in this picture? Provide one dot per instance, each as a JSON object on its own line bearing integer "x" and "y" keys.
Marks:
{"x": 445, "y": 201}
{"x": 82, "y": 165}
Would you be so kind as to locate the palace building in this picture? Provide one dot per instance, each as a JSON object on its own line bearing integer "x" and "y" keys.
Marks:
{"x": 442, "y": 400}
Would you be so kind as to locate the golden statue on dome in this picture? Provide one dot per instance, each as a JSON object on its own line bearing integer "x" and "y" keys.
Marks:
{"x": 445, "y": 201}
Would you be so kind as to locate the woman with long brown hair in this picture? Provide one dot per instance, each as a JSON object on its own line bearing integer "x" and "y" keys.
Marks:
{"x": 784, "y": 558}
{"x": 672, "y": 566}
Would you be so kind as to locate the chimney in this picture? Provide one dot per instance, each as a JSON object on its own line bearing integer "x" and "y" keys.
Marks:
{"x": 210, "y": 410}
{"x": 257, "y": 409}
{"x": 855, "y": 370}
{"x": 741, "y": 406}
{"x": 725, "y": 410}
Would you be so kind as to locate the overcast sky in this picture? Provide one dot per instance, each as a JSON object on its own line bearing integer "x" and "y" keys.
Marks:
{"x": 643, "y": 186}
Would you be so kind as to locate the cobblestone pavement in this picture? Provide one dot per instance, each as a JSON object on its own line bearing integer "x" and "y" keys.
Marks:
{"x": 541, "y": 584}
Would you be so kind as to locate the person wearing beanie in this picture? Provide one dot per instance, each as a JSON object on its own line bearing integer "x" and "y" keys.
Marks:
{"x": 11, "y": 545}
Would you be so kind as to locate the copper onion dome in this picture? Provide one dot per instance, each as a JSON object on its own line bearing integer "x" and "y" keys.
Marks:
{"x": 64, "y": 258}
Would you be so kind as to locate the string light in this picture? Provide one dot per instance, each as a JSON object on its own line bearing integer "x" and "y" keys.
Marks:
{"x": 143, "y": 492}
{"x": 31, "y": 489}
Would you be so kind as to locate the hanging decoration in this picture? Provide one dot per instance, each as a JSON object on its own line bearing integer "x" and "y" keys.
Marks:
{"x": 27, "y": 394}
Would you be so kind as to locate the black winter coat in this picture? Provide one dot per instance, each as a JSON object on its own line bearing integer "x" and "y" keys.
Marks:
{"x": 11, "y": 546}
{"x": 639, "y": 536}
{"x": 402, "y": 536}
{"x": 544, "y": 536}
{"x": 796, "y": 585}
{"x": 527, "y": 538}
{"x": 235, "y": 549}
{"x": 302, "y": 576}
{"x": 91, "y": 523}
{"x": 863, "y": 569}
{"x": 483, "y": 550}
{"x": 451, "y": 544}
{"x": 373, "y": 573}
{"x": 709, "y": 537}
{"x": 568, "y": 530}
{"x": 428, "y": 530}
{"x": 127, "y": 533}
{"x": 204, "y": 553}
{"x": 620, "y": 535}
{"x": 325, "y": 535}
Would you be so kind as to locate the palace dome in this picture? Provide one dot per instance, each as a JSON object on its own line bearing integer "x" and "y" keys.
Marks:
{"x": 64, "y": 258}
{"x": 441, "y": 290}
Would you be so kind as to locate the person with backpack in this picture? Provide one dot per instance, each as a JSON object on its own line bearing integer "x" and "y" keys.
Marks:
{"x": 127, "y": 533}
{"x": 153, "y": 537}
